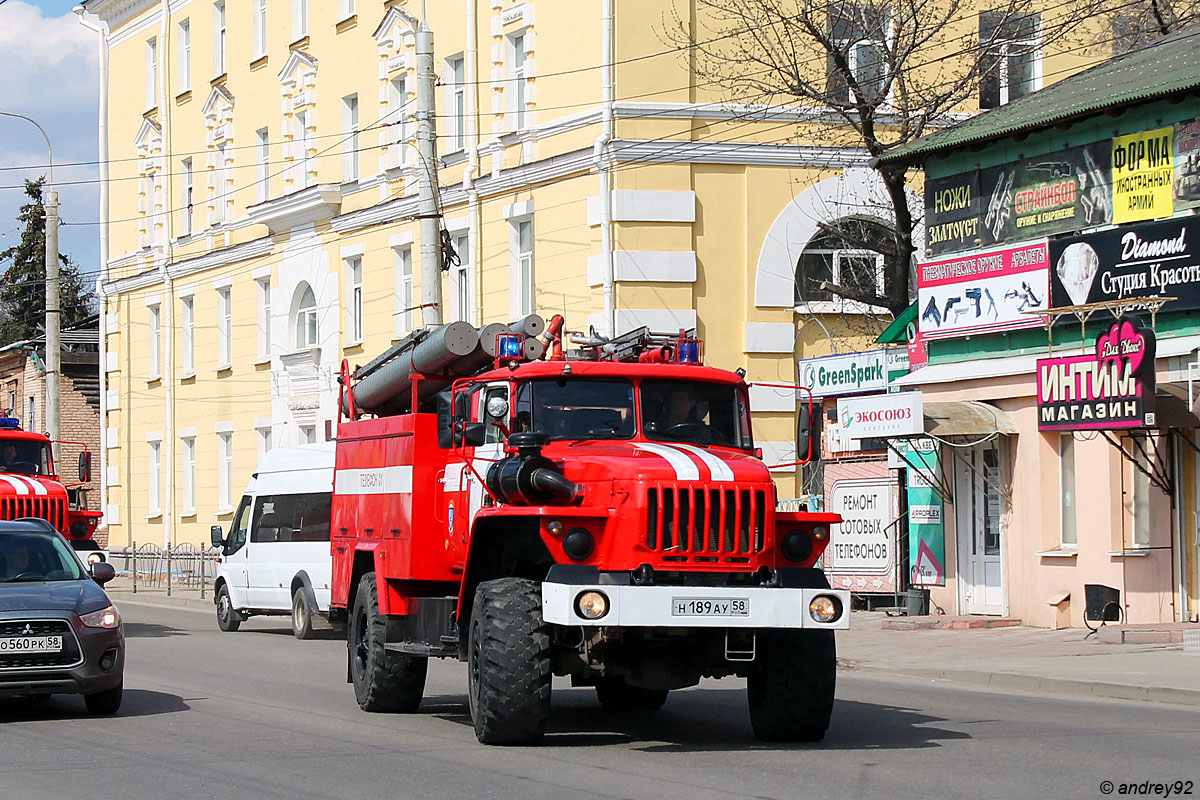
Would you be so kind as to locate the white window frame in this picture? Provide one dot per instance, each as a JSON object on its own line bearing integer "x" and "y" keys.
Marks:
{"x": 402, "y": 268}
{"x": 354, "y": 299}
{"x": 346, "y": 9}
{"x": 154, "y": 326}
{"x": 188, "y": 448}
{"x": 262, "y": 165}
{"x": 188, "y": 198}
{"x": 307, "y": 434}
{"x": 523, "y": 266}
{"x": 308, "y": 324}
{"x": 187, "y": 318}
{"x": 462, "y": 278}
{"x": 456, "y": 101}
{"x": 259, "y": 26}
{"x": 299, "y": 19}
{"x": 219, "y": 38}
{"x": 224, "y": 472}
{"x": 153, "y": 479}
{"x": 1068, "y": 492}
{"x": 222, "y": 184}
{"x": 518, "y": 77}
{"x": 184, "y": 54}
{"x": 305, "y": 139}
{"x": 1008, "y": 48}
{"x": 264, "y": 440}
{"x": 853, "y": 51}
{"x": 152, "y": 72}
{"x": 350, "y": 138}
{"x": 224, "y": 327}
{"x": 398, "y": 118}
{"x": 263, "y": 289}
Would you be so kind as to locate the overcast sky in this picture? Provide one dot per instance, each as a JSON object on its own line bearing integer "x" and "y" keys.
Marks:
{"x": 48, "y": 71}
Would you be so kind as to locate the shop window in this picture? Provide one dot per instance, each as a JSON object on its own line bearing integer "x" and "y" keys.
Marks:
{"x": 1142, "y": 489}
{"x": 1069, "y": 536}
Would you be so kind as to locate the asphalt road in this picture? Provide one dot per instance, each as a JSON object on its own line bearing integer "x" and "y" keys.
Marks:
{"x": 258, "y": 714}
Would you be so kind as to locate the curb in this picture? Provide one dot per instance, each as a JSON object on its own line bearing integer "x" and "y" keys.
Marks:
{"x": 161, "y": 600}
{"x": 1036, "y": 683}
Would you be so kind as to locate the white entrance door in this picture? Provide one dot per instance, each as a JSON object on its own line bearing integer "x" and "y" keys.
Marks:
{"x": 977, "y": 509}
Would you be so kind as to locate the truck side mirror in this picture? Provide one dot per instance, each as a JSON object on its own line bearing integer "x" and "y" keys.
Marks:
{"x": 474, "y": 433}
{"x": 808, "y": 432}
{"x": 217, "y": 536}
{"x": 445, "y": 421}
{"x": 85, "y": 466}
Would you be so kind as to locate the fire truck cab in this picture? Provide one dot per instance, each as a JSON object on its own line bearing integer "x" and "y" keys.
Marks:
{"x": 607, "y": 520}
{"x": 30, "y": 487}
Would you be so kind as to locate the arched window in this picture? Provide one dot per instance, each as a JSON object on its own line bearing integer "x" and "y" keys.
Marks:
{"x": 849, "y": 257}
{"x": 306, "y": 320}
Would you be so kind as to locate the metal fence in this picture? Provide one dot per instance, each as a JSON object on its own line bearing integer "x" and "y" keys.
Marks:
{"x": 149, "y": 566}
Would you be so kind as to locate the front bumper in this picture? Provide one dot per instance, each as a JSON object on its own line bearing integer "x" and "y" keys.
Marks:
{"x": 79, "y": 675}
{"x": 660, "y": 606}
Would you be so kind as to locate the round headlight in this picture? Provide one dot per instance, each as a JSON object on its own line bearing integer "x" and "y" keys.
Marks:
{"x": 591, "y": 605}
{"x": 578, "y": 543}
{"x": 824, "y": 608}
{"x": 95, "y": 558}
{"x": 796, "y": 546}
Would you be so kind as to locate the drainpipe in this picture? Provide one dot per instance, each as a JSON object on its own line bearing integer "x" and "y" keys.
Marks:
{"x": 602, "y": 167}
{"x": 92, "y": 23}
{"x": 168, "y": 304}
{"x": 472, "y": 170}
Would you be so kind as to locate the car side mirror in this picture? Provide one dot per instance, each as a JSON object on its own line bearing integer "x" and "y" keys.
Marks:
{"x": 217, "y": 535}
{"x": 103, "y": 572}
{"x": 474, "y": 433}
{"x": 85, "y": 467}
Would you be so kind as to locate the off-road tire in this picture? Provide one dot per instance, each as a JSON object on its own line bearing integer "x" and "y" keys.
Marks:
{"x": 228, "y": 619}
{"x": 508, "y": 663}
{"x": 105, "y": 702}
{"x": 615, "y": 694}
{"x": 790, "y": 688}
{"x": 383, "y": 681}
{"x": 302, "y": 614}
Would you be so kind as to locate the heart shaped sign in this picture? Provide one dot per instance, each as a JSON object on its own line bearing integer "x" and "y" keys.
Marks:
{"x": 1126, "y": 341}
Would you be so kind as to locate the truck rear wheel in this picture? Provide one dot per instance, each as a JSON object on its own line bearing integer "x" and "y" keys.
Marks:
{"x": 615, "y": 694}
{"x": 383, "y": 681}
{"x": 508, "y": 661}
{"x": 791, "y": 685}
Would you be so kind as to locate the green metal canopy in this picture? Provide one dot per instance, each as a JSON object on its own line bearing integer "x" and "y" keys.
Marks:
{"x": 1166, "y": 69}
{"x": 894, "y": 333}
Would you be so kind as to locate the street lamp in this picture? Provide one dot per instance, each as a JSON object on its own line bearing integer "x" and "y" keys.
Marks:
{"x": 50, "y": 203}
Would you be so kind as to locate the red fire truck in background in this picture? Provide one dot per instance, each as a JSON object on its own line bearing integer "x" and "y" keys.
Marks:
{"x": 602, "y": 515}
{"x": 31, "y": 487}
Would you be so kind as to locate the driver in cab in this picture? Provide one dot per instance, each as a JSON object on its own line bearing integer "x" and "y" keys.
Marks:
{"x": 683, "y": 412}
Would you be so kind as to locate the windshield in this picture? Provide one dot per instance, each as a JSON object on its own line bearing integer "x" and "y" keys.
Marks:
{"x": 37, "y": 557}
{"x": 25, "y": 456}
{"x": 576, "y": 409}
{"x": 704, "y": 413}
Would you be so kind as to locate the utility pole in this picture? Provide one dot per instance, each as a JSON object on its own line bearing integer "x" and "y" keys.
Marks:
{"x": 53, "y": 354}
{"x": 50, "y": 201}
{"x": 428, "y": 206}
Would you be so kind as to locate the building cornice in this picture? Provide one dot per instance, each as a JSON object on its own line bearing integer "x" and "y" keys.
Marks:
{"x": 744, "y": 153}
{"x": 298, "y": 208}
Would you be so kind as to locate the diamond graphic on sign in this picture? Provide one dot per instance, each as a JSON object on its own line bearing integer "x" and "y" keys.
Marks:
{"x": 1077, "y": 268}
{"x": 927, "y": 570}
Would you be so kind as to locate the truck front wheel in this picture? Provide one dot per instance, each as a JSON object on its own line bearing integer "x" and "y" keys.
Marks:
{"x": 228, "y": 619}
{"x": 615, "y": 694}
{"x": 383, "y": 680}
{"x": 508, "y": 661}
{"x": 791, "y": 685}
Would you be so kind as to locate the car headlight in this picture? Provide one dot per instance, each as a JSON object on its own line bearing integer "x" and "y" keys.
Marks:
{"x": 104, "y": 618}
{"x": 824, "y": 608}
{"x": 95, "y": 558}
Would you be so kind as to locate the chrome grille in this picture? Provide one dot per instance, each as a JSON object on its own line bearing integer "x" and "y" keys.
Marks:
{"x": 51, "y": 509}
{"x": 69, "y": 656}
{"x": 705, "y": 521}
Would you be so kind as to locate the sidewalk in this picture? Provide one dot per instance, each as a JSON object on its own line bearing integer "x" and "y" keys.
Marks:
{"x": 1024, "y": 659}
{"x": 1014, "y": 658}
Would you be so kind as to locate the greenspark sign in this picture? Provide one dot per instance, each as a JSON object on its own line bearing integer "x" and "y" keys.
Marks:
{"x": 845, "y": 373}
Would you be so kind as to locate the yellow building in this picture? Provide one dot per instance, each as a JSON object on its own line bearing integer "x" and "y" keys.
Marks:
{"x": 260, "y": 197}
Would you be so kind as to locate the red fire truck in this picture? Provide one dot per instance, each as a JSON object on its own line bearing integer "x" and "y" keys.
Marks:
{"x": 31, "y": 487}
{"x": 603, "y": 516}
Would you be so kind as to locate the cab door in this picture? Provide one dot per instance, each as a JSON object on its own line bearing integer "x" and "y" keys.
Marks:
{"x": 237, "y": 554}
{"x": 494, "y": 407}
